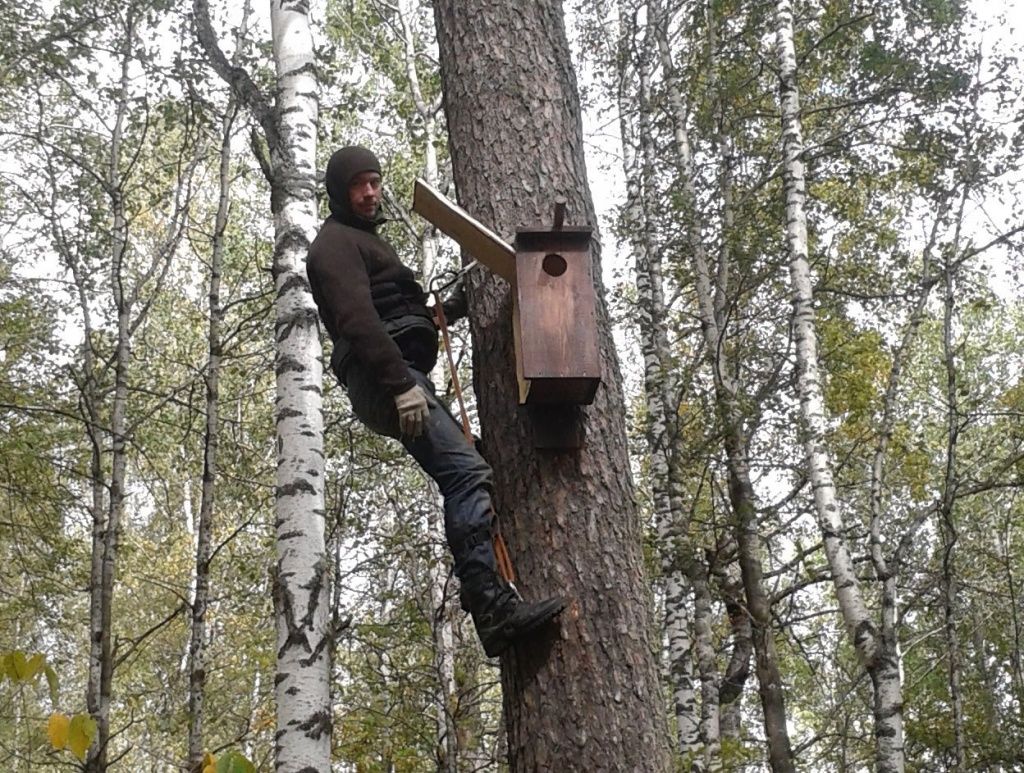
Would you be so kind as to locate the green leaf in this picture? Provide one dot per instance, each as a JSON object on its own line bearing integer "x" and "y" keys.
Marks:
{"x": 7, "y": 666}
{"x": 34, "y": 666}
{"x": 80, "y": 734}
{"x": 19, "y": 666}
{"x": 234, "y": 762}
{"x": 51, "y": 680}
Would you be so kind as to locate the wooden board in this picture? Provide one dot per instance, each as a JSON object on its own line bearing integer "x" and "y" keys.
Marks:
{"x": 474, "y": 237}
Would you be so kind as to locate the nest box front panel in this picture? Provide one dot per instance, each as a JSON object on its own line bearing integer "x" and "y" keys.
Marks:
{"x": 556, "y": 320}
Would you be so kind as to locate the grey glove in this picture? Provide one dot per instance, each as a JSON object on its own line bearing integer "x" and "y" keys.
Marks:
{"x": 412, "y": 411}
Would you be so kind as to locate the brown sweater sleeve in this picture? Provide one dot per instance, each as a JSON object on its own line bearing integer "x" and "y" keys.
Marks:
{"x": 344, "y": 286}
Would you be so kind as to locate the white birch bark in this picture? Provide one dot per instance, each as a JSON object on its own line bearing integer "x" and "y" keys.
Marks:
{"x": 863, "y": 632}
{"x": 305, "y": 642}
{"x": 669, "y": 517}
{"x": 106, "y": 540}
{"x": 301, "y": 582}
{"x": 710, "y": 302}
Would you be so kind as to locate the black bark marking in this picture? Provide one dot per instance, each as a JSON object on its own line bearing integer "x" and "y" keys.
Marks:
{"x": 294, "y": 488}
{"x": 317, "y": 725}
{"x": 286, "y": 364}
{"x": 302, "y": 319}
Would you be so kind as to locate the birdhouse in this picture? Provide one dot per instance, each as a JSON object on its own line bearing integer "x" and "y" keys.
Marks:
{"x": 558, "y": 356}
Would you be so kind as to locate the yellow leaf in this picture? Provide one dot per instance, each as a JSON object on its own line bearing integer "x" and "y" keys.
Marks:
{"x": 83, "y": 728}
{"x": 57, "y": 730}
{"x": 209, "y": 763}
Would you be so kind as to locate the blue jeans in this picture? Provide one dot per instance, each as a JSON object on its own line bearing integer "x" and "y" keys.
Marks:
{"x": 443, "y": 452}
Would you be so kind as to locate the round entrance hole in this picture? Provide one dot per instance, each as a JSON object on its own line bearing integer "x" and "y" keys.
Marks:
{"x": 554, "y": 264}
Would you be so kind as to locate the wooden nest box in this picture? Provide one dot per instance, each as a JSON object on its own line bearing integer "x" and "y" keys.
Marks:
{"x": 558, "y": 357}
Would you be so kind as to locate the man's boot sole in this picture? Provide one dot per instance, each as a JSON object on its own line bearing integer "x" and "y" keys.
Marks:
{"x": 548, "y": 611}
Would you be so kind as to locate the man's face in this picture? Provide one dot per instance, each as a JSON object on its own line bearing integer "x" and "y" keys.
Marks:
{"x": 364, "y": 194}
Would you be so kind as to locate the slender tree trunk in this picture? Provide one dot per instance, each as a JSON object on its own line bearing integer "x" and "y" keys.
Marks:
{"x": 863, "y": 632}
{"x": 107, "y": 539}
{"x": 707, "y": 667}
{"x": 741, "y": 490}
{"x": 730, "y": 582}
{"x": 662, "y": 437}
{"x": 211, "y": 440}
{"x": 442, "y": 630}
{"x": 948, "y": 528}
{"x": 589, "y": 698}
{"x": 302, "y": 576}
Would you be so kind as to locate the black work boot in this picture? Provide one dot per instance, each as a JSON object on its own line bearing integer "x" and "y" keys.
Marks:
{"x": 499, "y": 615}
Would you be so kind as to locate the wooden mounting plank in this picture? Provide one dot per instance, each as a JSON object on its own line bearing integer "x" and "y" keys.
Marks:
{"x": 475, "y": 238}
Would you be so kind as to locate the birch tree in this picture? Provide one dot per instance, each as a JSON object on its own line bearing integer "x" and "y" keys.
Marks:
{"x": 660, "y": 388}
{"x": 879, "y": 660}
{"x": 301, "y": 578}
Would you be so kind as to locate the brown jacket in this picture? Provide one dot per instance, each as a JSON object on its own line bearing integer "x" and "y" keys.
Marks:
{"x": 371, "y": 304}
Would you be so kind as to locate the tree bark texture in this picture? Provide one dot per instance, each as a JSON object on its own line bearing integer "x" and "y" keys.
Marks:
{"x": 305, "y": 642}
{"x": 586, "y": 695}
{"x": 106, "y": 538}
{"x": 211, "y": 439}
{"x": 863, "y": 632}
{"x": 948, "y": 525}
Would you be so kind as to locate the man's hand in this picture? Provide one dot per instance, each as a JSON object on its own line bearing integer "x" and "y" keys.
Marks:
{"x": 454, "y": 306}
{"x": 412, "y": 411}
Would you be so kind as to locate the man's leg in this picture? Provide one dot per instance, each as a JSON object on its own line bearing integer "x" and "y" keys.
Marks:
{"x": 443, "y": 452}
{"x": 464, "y": 479}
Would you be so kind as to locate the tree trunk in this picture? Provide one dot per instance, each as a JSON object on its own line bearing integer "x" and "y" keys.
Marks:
{"x": 731, "y": 416}
{"x": 106, "y": 540}
{"x": 211, "y": 438}
{"x": 587, "y": 699}
{"x": 302, "y": 576}
{"x": 442, "y": 630}
{"x": 863, "y": 632}
{"x": 662, "y": 435}
{"x": 948, "y": 529}
{"x": 301, "y": 582}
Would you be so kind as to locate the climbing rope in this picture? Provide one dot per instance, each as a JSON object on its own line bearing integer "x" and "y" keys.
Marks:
{"x": 501, "y": 554}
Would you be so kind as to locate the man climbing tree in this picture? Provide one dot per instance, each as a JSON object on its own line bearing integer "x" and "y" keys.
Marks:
{"x": 385, "y": 343}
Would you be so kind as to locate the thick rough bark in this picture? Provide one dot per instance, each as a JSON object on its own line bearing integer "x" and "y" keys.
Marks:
{"x": 586, "y": 698}
{"x": 867, "y": 640}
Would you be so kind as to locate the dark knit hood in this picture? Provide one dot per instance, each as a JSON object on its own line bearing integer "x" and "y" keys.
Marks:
{"x": 345, "y": 164}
